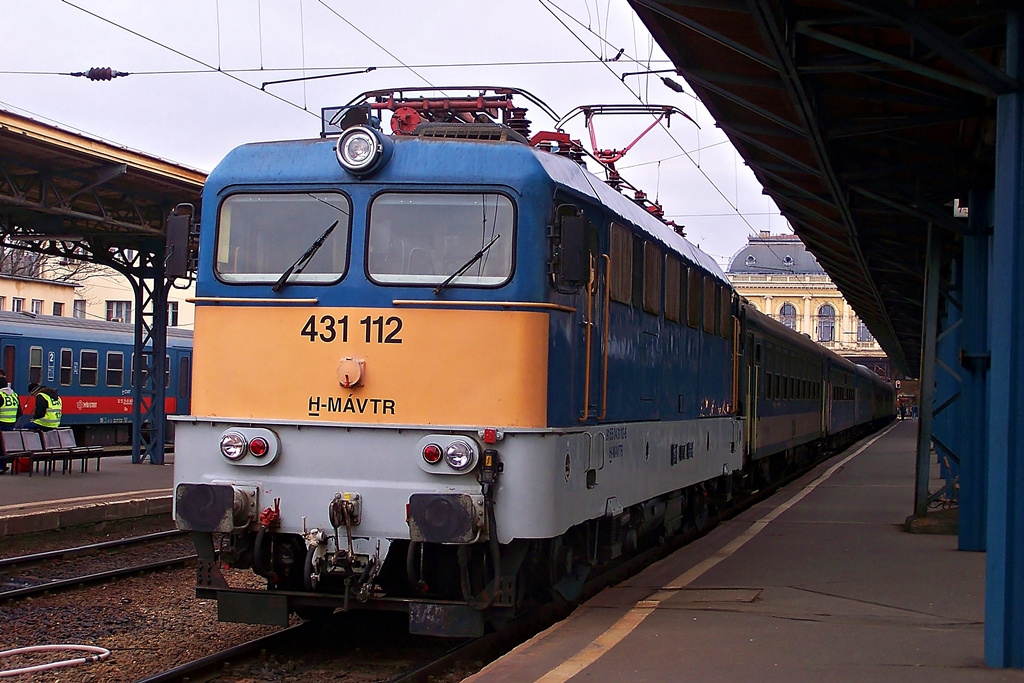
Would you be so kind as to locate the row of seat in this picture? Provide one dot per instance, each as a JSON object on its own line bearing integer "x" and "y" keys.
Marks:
{"x": 31, "y": 447}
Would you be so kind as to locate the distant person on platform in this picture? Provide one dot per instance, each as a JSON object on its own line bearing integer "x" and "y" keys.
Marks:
{"x": 10, "y": 406}
{"x": 48, "y": 408}
{"x": 903, "y": 410}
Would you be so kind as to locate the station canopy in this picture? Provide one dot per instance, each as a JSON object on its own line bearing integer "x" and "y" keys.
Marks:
{"x": 71, "y": 188}
{"x": 868, "y": 122}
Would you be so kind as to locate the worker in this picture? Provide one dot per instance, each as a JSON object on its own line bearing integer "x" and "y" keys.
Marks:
{"x": 48, "y": 407}
{"x": 10, "y": 405}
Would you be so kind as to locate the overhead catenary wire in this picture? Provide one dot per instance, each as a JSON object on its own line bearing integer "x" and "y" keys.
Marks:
{"x": 756, "y": 233}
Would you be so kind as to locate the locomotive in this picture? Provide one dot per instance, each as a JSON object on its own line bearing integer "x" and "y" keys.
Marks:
{"x": 91, "y": 364}
{"x": 448, "y": 371}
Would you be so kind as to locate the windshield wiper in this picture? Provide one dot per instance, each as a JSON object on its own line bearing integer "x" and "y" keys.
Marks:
{"x": 462, "y": 269}
{"x": 304, "y": 260}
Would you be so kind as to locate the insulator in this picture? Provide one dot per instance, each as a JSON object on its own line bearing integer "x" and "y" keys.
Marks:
{"x": 518, "y": 122}
{"x": 98, "y": 73}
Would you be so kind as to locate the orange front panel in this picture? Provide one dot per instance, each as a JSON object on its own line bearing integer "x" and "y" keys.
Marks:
{"x": 438, "y": 367}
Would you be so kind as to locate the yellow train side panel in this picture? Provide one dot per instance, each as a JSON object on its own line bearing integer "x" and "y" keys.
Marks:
{"x": 429, "y": 367}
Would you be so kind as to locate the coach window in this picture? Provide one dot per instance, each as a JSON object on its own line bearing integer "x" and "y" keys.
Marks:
{"x": 694, "y": 299}
{"x": 426, "y": 238}
{"x": 621, "y": 253}
{"x": 672, "y": 289}
{"x": 35, "y": 365}
{"x": 66, "y": 361}
{"x": 184, "y": 377}
{"x": 115, "y": 368}
{"x": 726, "y": 313}
{"x": 652, "y": 277}
{"x": 167, "y": 372}
{"x": 260, "y": 235}
{"x": 88, "y": 368}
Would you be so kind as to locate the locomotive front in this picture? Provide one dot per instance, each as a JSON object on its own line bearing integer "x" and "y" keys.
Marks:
{"x": 354, "y": 378}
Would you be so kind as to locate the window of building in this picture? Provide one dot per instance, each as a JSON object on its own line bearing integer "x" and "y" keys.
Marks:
{"x": 3, "y": 303}
{"x": 88, "y": 368}
{"x": 750, "y": 260}
{"x": 17, "y": 304}
{"x": 863, "y": 333}
{"x": 37, "y": 306}
{"x": 787, "y": 315}
{"x": 58, "y": 308}
{"x": 66, "y": 361}
{"x": 172, "y": 313}
{"x": 621, "y": 283}
{"x": 119, "y": 311}
{"x": 652, "y": 277}
{"x": 826, "y": 323}
{"x": 115, "y": 368}
{"x": 787, "y": 261}
{"x": 78, "y": 309}
{"x": 672, "y": 289}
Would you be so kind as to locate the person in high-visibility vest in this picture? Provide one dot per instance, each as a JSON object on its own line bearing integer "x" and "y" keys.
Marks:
{"x": 48, "y": 408}
{"x": 10, "y": 405}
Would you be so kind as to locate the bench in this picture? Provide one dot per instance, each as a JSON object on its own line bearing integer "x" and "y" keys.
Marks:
{"x": 46, "y": 448}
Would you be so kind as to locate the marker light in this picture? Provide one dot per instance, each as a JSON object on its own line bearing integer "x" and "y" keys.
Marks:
{"x": 458, "y": 455}
{"x": 432, "y": 453}
{"x": 259, "y": 447}
{"x": 362, "y": 150}
{"x": 232, "y": 445}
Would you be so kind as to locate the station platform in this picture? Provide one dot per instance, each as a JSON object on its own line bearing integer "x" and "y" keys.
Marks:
{"x": 118, "y": 490}
{"x": 819, "y": 583}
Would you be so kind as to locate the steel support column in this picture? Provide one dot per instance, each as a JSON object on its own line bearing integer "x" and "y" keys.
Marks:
{"x": 974, "y": 360}
{"x": 1004, "y": 575}
{"x": 926, "y": 398}
{"x": 150, "y": 366}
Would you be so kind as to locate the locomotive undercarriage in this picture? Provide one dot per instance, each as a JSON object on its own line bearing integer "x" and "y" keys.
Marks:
{"x": 448, "y": 589}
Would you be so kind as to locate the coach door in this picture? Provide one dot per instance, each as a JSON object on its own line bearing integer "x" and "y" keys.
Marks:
{"x": 753, "y": 391}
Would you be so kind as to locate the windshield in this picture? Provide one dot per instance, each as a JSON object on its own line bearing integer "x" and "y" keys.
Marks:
{"x": 261, "y": 235}
{"x": 423, "y": 238}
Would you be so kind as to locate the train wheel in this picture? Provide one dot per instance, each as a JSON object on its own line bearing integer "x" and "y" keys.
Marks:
{"x": 699, "y": 508}
{"x": 568, "y": 564}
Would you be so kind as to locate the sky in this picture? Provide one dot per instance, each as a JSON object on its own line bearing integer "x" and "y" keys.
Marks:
{"x": 197, "y": 66}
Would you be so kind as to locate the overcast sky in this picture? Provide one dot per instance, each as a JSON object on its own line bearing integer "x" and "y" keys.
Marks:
{"x": 197, "y": 67}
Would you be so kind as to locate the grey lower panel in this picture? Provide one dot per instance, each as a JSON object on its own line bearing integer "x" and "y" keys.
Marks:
{"x": 253, "y": 608}
{"x": 452, "y": 621}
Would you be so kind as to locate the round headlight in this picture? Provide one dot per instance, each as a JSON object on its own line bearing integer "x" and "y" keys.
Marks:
{"x": 458, "y": 455}
{"x": 232, "y": 445}
{"x": 362, "y": 150}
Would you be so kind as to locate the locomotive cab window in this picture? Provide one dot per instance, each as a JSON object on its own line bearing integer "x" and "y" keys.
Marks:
{"x": 425, "y": 238}
{"x": 261, "y": 235}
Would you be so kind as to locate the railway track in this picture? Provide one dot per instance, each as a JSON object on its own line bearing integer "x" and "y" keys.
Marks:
{"x": 27, "y": 586}
{"x": 298, "y": 643}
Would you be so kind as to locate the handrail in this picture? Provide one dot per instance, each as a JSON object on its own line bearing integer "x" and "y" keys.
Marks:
{"x": 607, "y": 325}
{"x": 483, "y": 304}
{"x": 589, "y": 323}
{"x": 245, "y": 300}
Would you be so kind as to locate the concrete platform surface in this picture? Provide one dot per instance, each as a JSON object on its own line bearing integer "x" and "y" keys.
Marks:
{"x": 118, "y": 490}
{"x": 819, "y": 583}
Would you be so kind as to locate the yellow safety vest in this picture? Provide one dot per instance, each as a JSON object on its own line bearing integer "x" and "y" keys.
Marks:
{"x": 8, "y": 407}
{"x": 51, "y": 420}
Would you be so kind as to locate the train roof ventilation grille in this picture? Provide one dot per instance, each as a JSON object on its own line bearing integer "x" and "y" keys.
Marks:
{"x": 468, "y": 131}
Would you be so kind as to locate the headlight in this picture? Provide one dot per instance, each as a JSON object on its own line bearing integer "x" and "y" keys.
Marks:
{"x": 232, "y": 445}
{"x": 362, "y": 150}
{"x": 458, "y": 455}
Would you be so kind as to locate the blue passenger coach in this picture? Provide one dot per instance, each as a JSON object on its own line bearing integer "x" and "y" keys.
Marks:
{"x": 90, "y": 363}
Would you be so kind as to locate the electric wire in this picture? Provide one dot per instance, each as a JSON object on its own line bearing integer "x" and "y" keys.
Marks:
{"x": 756, "y": 233}
{"x": 186, "y": 56}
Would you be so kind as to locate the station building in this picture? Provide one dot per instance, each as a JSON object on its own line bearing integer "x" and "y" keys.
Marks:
{"x": 780, "y": 278}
